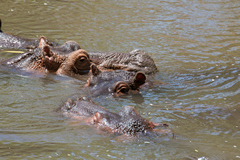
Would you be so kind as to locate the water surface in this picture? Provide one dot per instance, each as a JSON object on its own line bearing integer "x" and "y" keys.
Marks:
{"x": 195, "y": 45}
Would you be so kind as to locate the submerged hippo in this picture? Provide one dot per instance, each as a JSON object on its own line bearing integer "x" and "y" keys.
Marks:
{"x": 45, "y": 60}
{"x": 126, "y": 122}
{"x": 117, "y": 82}
{"x": 9, "y": 41}
{"x": 136, "y": 60}
{"x": 15, "y": 42}
{"x": 64, "y": 50}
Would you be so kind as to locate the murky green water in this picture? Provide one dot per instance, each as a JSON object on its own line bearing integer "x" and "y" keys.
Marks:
{"x": 195, "y": 45}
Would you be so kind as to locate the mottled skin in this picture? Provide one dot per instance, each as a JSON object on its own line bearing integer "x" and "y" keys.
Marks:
{"x": 40, "y": 59}
{"x": 116, "y": 82}
{"x": 44, "y": 60}
{"x": 126, "y": 122}
{"x": 135, "y": 60}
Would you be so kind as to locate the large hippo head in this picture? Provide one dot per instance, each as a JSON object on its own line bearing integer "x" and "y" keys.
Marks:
{"x": 125, "y": 122}
{"x": 67, "y": 59}
{"x": 49, "y": 59}
{"x": 65, "y": 49}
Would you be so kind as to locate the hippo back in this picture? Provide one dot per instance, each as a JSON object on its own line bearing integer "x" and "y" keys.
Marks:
{"x": 135, "y": 60}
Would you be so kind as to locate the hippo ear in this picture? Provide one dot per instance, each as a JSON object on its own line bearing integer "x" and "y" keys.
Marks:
{"x": 139, "y": 79}
{"x": 42, "y": 42}
{"x": 135, "y": 51}
{"x": 95, "y": 70}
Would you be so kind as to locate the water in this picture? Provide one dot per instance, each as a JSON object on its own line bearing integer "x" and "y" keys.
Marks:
{"x": 195, "y": 45}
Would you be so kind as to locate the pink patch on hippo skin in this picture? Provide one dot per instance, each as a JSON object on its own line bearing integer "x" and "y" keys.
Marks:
{"x": 94, "y": 69}
{"x": 51, "y": 59}
{"x": 88, "y": 83}
{"x": 96, "y": 118}
{"x": 48, "y": 59}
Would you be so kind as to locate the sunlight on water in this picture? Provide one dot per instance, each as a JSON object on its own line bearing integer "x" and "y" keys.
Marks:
{"x": 195, "y": 45}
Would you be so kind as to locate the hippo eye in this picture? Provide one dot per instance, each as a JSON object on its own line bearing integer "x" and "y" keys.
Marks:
{"x": 124, "y": 90}
{"x": 121, "y": 87}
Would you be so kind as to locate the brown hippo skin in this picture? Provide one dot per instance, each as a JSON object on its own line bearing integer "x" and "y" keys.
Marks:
{"x": 126, "y": 122}
{"x": 136, "y": 60}
{"x": 43, "y": 59}
{"x": 40, "y": 59}
{"x": 117, "y": 82}
{"x": 77, "y": 63}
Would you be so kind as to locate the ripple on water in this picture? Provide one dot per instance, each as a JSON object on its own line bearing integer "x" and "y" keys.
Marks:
{"x": 195, "y": 46}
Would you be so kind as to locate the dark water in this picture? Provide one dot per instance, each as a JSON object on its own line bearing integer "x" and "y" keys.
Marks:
{"x": 195, "y": 45}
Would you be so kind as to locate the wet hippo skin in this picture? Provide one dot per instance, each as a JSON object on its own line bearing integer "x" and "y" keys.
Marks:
{"x": 125, "y": 122}
{"x": 118, "y": 82}
{"x": 8, "y": 41}
{"x": 136, "y": 60}
{"x": 44, "y": 59}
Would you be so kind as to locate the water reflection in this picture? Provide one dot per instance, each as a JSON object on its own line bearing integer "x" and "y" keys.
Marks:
{"x": 195, "y": 45}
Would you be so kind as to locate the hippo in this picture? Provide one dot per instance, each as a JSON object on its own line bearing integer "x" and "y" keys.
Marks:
{"x": 125, "y": 122}
{"x": 77, "y": 63}
{"x": 45, "y": 60}
{"x": 117, "y": 82}
{"x": 14, "y": 42}
{"x": 66, "y": 48}
{"x": 136, "y": 60}
{"x": 9, "y": 41}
